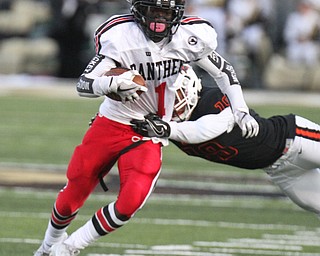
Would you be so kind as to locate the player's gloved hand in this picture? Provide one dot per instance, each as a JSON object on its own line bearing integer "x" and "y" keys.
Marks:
{"x": 151, "y": 126}
{"x": 124, "y": 86}
{"x": 248, "y": 125}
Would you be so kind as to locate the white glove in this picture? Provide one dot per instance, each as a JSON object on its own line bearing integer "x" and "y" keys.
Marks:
{"x": 124, "y": 86}
{"x": 248, "y": 125}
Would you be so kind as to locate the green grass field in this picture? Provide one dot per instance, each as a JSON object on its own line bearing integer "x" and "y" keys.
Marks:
{"x": 171, "y": 225}
{"x": 41, "y": 130}
{"x": 45, "y": 130}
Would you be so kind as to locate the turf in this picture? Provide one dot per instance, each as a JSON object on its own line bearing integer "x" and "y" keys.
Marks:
{"x": 45, "y": 130}
{"x": 192, "y": 225}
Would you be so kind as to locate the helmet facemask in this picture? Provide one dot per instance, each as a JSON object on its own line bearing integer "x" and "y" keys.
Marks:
{"x": 188, "y": 87}
{"x": 158, "y": 18}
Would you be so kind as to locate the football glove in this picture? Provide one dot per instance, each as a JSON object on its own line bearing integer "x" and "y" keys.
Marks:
{"x": 124, "y": 86}
{"x": 151, "y": 126}
{"x": 248, "y": 125}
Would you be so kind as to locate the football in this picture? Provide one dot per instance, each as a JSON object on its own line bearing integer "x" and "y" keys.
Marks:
{"x": 118, "y": 71}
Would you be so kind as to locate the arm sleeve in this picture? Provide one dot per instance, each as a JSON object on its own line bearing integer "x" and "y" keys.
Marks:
{"x": 92, "y": 83}
{"x": 226, "y": 78}
{"x": 203, "y": 129}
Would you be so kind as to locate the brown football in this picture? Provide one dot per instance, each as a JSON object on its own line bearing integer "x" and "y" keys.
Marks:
{"x": 118, "y": 71}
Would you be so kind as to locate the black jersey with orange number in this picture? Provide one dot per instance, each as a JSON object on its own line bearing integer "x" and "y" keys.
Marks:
{"x": 231, "y": 148}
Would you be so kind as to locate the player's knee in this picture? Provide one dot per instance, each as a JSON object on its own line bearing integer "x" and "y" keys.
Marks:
{"x": 310, "y": 206}
{"x": 305, "y": 199}
{"x": 132, "y": 198}
{"x": 72, "y": 197}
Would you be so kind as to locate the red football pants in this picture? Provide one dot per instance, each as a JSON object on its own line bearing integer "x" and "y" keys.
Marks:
{"x": 139, "y": 168}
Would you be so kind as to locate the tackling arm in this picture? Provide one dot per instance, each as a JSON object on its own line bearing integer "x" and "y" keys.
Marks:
{"x": 203, "y": 129}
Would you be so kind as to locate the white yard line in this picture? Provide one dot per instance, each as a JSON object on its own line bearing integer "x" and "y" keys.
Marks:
{"x": 254, "y": 202}
{"x": 169, "y": 222}
{"x": 247, "y": 252}
{"x": 268, "y": 245}
{"x": 97, "y": 244}
{"x": 211, "y": 249}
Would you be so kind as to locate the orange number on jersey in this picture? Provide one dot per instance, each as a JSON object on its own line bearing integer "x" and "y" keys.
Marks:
{"x": 222, "y": 104}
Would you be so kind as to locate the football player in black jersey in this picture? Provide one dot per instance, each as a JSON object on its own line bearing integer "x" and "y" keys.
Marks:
{"x": 287, "y": 147}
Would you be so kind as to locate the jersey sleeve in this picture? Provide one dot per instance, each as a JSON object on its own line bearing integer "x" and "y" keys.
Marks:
{"x": 203, "y": 129}
{"x": 205, "y": 36}
{"x": 109, "y": 35}
{"x": 92, "y": 83}
{"x": 195, "y": 39}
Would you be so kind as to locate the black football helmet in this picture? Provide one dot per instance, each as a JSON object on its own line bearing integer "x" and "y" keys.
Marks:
{"x": 158, "y": 18}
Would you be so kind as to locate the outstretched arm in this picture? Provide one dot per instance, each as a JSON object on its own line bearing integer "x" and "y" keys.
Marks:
{"x": 226, "y": 78}
{"x": 203, "y": 129}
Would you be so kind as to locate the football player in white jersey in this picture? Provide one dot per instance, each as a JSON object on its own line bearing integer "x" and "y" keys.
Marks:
{"x": 155, "y": 40}
{"x": 286, "y": 148}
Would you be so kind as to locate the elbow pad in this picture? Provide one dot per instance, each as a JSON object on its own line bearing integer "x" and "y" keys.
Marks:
{"x": 94, "y": 87}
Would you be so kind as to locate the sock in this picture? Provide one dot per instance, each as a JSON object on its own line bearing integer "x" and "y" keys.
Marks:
{"x": 103, "y": 222}
{"x": 83, "y": 236}
{"x": 52, "y": 236}
{"x": 108, "y": 219}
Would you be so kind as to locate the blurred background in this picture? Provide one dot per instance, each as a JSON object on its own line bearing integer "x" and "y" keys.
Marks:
{"x": 273, "y": 44}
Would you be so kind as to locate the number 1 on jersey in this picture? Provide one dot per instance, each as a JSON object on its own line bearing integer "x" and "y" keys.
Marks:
{"x": 161, "y": 91}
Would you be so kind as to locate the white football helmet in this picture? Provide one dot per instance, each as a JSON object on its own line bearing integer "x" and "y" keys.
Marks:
{"x": 188, "y": 87}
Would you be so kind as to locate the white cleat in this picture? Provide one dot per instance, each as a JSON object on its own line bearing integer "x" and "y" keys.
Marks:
{"x": 63, "y": 249}
{"x": 42, "y": 252}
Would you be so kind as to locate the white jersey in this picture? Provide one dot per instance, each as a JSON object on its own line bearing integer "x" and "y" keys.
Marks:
{"x": 121, "y": 42}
